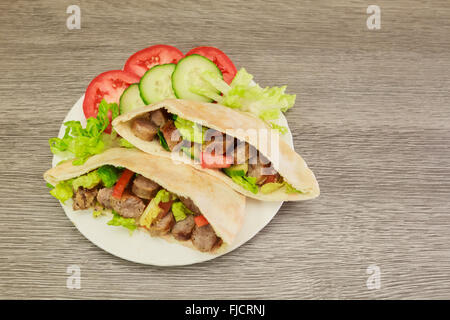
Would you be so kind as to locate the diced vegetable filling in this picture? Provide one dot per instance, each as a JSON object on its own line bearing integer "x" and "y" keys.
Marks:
{"x": 136, "y": 201}
{"x": 245, "y": 165}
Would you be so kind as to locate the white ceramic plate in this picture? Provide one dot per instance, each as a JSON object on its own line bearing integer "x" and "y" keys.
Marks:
{"x": 140, "y": 247}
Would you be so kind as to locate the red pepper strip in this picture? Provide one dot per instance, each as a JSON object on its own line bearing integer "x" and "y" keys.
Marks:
{"x": 200, "y": 221}
{"x": 122, "y": 183}
{"x": 213, "y": 161}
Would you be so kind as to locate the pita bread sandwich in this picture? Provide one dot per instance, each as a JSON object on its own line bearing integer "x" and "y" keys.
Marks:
{"x": 233, "y": 146}
{"x": 169, "y": 200}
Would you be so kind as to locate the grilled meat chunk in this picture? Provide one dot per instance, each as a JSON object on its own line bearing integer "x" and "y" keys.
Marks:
{"x": 204, "y": 238}
{"x": 190, "y": 205}
{"x": 171, "y": 134}
{"x": 182, "y": 230}
{"x": 84, "y": 198}
{"x": 144, "y": 129}
{"x": 144, "y": 188}
{"x": 217, "y": 142}
{"x": 241, "y": 153}
{"x": 104, "y": 197}
{"x": 129, "y": 206}
{"x": 162, "y": 225}
{"x": 158, "y": 117}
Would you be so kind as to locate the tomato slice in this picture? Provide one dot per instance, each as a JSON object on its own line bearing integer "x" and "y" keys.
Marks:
{"x": 213, "y": 161}
{"x": 108, "y": 85}
{"x": 122, "y": 183}
{"x": 220, "y": 59}
{"x": 144, "y": 59}
{"x": 165, "y": 206}
{"x": 270, "y": 178}
{"x": 200, "y": 221}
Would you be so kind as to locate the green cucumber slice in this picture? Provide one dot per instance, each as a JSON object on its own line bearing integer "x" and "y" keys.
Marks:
{"x": 130, "y": 99}
{"x": 187, "y": 75}
{"x": 156, "y": 83}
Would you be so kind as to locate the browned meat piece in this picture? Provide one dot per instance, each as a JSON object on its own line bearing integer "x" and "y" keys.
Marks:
{"x": 204, "y": 238}
{"x": 241, "y": 153}
{"x": 171, "y": 134}
{"x": 190, "y": 205}
{"x": 163, "y": 224}
{"x": 182, "y": 230}
{"x": 256, "y": 170}
{"x": 104, "y": 197}
{"x": 144, "y": 188}
{"x": 158, "y": 117}
{"x": 84, "y": 198}
{"x": 218, "y": 143}
{"x": 144, "y": 129}
{"x": 129, "y": 206}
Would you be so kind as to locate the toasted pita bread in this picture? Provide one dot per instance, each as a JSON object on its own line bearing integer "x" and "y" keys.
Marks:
{"x": 222, "y": 206}
{"x": 285, "y": 160}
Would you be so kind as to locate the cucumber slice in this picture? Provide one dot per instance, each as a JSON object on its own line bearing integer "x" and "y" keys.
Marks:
{"x": 187, "y": 75}
{"x": 156, "y": 83}
{"x": 130, "y": 99}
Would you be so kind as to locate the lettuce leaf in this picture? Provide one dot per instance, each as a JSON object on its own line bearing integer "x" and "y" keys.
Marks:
{"x": 163, "y": 141}
{"x": 152, "y": 210}
{"x": 63, "y": 191}
{"x": 265, "y": 103}
{"x": 270, "y": 187}
{"x": 291, "y": 189}
{"x": 109, "y": 175}
{"x": 118, "y": 220}
{"x": 248, "y": 183}
{"x": 180, "y": 211}
{"x": 87, "y": 181}
{"x": 190, "y": 131}
{"x": 85, "y": 142}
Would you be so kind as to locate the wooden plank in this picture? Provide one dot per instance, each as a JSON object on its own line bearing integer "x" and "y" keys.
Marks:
{"x": 371, "y": 119}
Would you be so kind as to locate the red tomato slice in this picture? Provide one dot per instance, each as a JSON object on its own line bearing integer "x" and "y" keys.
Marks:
{"x": 144, "y": 59}
{"x": 215, "y": 161}
{"x": 220, "y": 59}
{"x": 200, "y": 221}
{"x": 122, "y": 183}
{"x": 165, "y": 206}
{"x": 108, "y": 85}
{"x": 270, "y": 178}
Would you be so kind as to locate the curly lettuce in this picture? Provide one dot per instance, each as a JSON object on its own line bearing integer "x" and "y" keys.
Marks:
{"x": 85, "y": 142}
{"x": 266, "y": 103}
{"x": 62, "y": 191}
{"x": 118, "y": 220}
{"x": 180, "y": 211}
{"x": 190, "y": 131}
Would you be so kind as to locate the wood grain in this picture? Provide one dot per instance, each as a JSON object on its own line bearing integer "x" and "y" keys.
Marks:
{"x": 372, "y": 119}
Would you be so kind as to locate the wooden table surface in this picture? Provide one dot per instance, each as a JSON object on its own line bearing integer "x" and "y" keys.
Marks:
{"x": 372, "y": 120}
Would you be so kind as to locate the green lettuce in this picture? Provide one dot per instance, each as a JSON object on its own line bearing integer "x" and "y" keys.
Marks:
{"x": 85, "y": 142}
{"x": 265, "y": 103}
{"x": 109, "y": 175}
{"x": 118, "y": 220}
{"x": 190, "y": 131}
{"x": 248, "y": 183}
{"x": 87, "y": 181}
{"x": 291, "y": 189}
{"x": 152, "y": 210}
{"x": 63, "y": 191}
{"x": 163, "y": 141}
{"x": 180, "y": 211}
{"x": 270, "y": 187}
